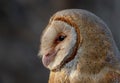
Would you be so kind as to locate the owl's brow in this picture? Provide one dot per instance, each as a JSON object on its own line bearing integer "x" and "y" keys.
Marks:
{"x": 71, "y": 23}
{"x": 64, "y": 29}
{"x": 56, "y": 29}
{"x": 66, "y": 20}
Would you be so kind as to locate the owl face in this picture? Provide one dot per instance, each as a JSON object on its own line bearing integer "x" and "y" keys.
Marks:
{"x": 57, "y": 42}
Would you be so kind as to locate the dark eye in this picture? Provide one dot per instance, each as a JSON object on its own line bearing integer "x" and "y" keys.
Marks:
{"x": 61, "y": 38}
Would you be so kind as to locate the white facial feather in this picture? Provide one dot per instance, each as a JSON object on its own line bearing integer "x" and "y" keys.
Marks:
{"x": 47, "y": 39}
{"x": 65, "y": 47}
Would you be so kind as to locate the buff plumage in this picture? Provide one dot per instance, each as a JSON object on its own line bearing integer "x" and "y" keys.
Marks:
{"x": 78, "y": 47}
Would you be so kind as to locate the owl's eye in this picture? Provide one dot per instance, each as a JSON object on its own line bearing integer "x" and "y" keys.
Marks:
{"x": 61, "y": 38}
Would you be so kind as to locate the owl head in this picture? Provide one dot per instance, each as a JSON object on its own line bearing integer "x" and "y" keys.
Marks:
{"x": 75, "y": 32}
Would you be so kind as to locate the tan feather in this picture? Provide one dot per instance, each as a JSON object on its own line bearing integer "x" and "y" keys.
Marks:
{"x": 85, "y": 51}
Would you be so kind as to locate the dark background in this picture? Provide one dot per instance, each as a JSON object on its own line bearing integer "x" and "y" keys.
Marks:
{"x": 21, "y": 24}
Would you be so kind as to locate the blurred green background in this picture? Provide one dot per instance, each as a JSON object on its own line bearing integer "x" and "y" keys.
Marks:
{"x": 21, "y": 24}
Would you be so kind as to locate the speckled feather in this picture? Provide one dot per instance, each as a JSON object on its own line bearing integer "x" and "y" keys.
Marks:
{"x": 95, "y": 57}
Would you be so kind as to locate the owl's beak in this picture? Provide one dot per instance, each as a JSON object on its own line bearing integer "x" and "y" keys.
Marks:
{"x": 49, "y": 57}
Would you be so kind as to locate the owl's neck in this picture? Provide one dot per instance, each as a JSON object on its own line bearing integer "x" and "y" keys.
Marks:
{"x": 83, "y": 64}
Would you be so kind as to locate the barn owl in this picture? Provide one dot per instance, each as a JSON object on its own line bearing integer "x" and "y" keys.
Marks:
{"x": 78, "y": 47}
